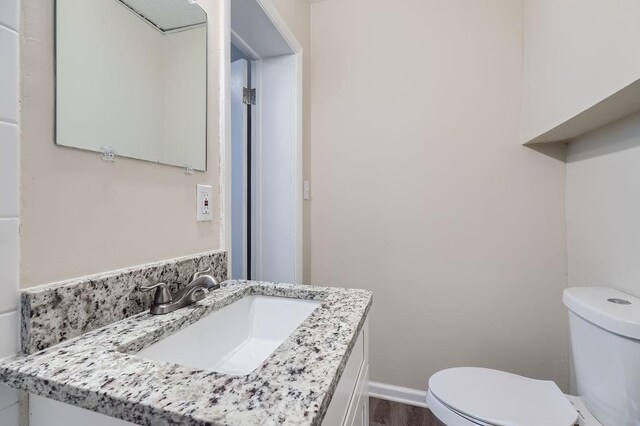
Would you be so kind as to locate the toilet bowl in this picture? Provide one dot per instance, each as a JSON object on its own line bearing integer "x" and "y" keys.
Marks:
{"x": 605, "y": 338}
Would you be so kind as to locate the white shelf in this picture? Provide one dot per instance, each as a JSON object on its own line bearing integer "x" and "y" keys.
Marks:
{"x": 621, "y": 104}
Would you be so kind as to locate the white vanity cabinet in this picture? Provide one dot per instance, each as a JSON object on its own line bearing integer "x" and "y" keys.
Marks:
{"x": 350, "y": 403}
{"x": 47, "y": 412}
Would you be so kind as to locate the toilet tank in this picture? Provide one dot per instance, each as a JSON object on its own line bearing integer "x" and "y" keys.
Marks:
{"x": 605, "y": 341}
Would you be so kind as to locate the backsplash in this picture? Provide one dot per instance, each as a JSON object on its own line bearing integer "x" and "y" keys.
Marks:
{"x": 60, "y": 311}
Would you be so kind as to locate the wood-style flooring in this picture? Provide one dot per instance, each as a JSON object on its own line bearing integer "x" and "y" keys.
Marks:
{"x": 388, "y": 413}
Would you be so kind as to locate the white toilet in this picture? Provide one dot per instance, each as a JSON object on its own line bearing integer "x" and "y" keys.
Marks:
{"x": 605, "y": 340}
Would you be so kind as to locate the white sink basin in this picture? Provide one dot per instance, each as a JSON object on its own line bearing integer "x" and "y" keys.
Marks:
{"x": 235, "y": 339}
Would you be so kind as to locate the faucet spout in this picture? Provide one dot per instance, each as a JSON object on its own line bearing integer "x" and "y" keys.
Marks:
{"x": 208, "y": 281}
{"x": 198, "y": 287}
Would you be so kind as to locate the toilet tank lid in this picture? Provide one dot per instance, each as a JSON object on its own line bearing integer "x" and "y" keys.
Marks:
{"x": 607, "y": 308}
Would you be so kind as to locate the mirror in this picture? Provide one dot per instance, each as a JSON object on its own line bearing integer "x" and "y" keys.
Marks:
{"x": 131, "y": 75}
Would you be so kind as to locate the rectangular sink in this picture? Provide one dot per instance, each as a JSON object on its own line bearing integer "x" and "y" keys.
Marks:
{"x": 235, "y": 339}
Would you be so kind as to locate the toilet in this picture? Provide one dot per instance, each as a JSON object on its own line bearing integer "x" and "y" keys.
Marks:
{"x": 605, "y": 340}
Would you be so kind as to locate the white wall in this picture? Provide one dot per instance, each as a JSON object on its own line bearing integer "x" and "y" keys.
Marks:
{"x": 150, "y": 78}
{"x": 9, "y": 198}
{"x": 603, "y": 207}
{"x": 577, "y": 52}
{"x": 422, "y": 194}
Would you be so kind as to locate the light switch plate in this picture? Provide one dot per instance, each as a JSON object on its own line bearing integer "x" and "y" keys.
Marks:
{"x": 203, "y": 208}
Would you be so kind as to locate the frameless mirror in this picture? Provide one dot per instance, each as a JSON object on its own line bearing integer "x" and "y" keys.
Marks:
{"x": 131, "y": 75}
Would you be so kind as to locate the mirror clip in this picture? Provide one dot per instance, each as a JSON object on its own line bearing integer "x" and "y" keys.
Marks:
{"x": 108, "y": 153}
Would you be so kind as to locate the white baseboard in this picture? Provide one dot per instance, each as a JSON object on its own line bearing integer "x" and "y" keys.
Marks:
{"x": 393, "y": 393}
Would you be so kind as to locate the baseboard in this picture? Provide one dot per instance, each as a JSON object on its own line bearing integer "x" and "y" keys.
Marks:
{"x": 393, "y": 393}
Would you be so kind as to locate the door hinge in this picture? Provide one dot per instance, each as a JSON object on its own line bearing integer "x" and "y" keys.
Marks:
{"x": 248, "y": 96}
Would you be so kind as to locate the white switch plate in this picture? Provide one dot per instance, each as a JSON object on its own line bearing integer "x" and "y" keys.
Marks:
{"x": 203, "y": 209}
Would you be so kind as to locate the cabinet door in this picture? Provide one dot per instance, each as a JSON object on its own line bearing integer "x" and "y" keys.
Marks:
{"x": 358, "y": 420}
{"x": 347, "y": 394}
{"x": 358, "y": 413}
{"x": 362, "y": 415}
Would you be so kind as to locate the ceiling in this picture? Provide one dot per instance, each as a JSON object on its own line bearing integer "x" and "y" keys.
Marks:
{"x": 168, "y": 15}
{"x": 251, "y": 26}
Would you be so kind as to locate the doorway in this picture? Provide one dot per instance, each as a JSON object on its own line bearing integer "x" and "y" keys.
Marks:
{"x": 261, "y": 144}
{"x": 241, "y": 109}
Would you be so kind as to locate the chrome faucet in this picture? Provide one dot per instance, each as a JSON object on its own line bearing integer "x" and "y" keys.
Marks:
{"x": 200, "y": 283}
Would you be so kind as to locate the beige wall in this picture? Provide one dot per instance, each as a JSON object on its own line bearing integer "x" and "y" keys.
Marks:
{"x": 577, "y": 52}
{"x": 603, "y": 233}
{"x": 423, "y": 195}
{"x": 296, "y": 14}
{"x": 420, "y": 192}
{"x": 81, "y": 215}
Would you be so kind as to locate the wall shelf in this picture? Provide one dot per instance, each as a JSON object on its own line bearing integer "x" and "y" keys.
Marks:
{"x": 620, "y": 104}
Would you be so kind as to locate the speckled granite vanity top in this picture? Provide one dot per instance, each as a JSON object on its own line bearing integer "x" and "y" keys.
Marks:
{"x": 98, "y": 371}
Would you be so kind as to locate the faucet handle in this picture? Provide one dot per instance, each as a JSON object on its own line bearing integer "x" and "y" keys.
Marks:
{"x": 163, "y": 294}
{"x": 198, "y": 274}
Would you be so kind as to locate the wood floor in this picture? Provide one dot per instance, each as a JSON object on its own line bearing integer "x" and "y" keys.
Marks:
{"x": 388, "y": 413}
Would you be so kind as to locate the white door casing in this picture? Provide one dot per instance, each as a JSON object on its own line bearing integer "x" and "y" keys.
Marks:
{"x": 276, "y": 248}
{"x": 239, "y": 133}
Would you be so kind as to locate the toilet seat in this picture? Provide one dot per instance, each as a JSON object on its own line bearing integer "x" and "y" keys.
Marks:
{"x": 449, "y": 416}
{"x": 480, "y": 396}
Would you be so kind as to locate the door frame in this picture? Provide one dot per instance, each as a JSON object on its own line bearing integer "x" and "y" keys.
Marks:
{"x": 226, "y": 35}
{"x": 246, "y": 141}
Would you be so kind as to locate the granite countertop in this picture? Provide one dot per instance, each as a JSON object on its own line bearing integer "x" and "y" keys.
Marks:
{"x": 98, "y": 370}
